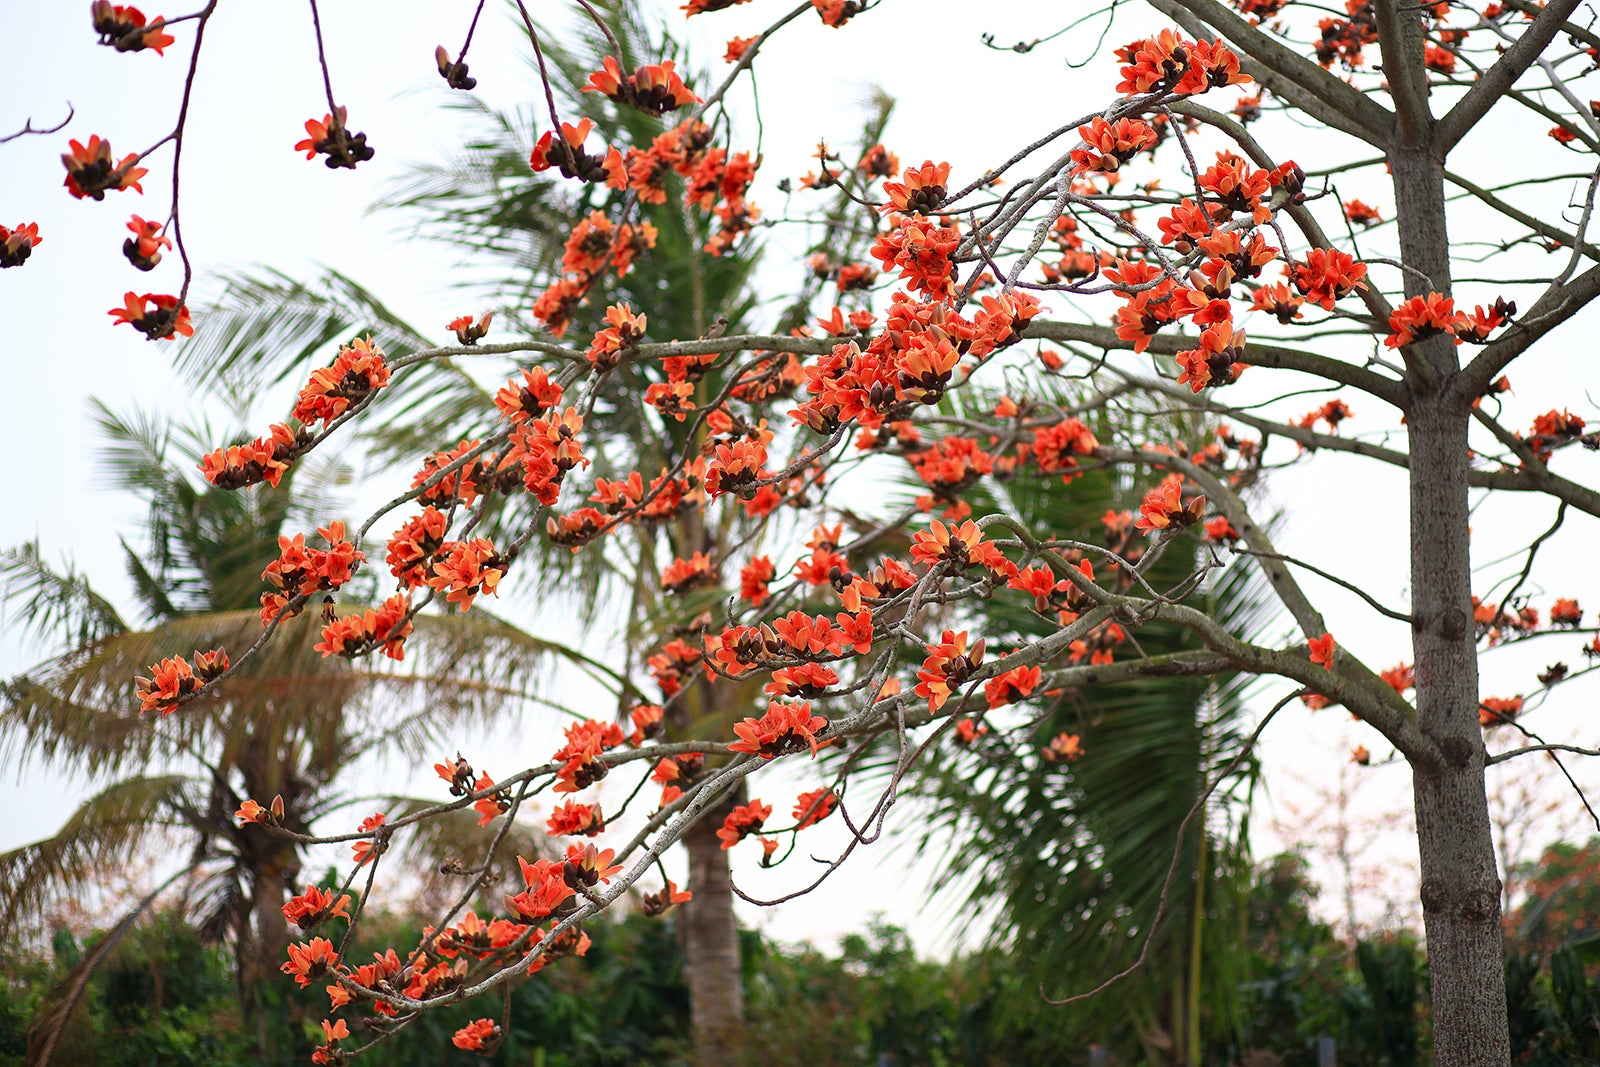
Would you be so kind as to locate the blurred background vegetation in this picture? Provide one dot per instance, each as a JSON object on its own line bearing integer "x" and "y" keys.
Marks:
{"x": 165, "y": 997}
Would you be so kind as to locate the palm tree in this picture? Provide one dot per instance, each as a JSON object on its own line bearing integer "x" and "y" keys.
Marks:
{"x": 1068, "y": 860}
{"x": 289, "y": 724}
{"x": 509, "y": 227}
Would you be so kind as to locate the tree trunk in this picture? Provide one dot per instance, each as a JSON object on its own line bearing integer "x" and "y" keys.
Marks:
{"x": 1460, "y": 887}
{"x": 266, "y": 949}
{"x": 711, "y": 949}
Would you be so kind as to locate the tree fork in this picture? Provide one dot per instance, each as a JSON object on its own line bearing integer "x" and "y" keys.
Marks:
{"x": 1460, "y": 886}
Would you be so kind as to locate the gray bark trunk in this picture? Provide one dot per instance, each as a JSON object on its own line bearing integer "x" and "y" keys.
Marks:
{"x": 711, "y": 950}
{"x": 1460, "y": 886}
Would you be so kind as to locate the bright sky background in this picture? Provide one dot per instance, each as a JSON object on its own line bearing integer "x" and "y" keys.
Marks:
{"x": 250, "y": 199}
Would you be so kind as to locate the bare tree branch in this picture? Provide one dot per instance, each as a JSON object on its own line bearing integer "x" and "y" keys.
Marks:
{"x": 1494, "y": 82}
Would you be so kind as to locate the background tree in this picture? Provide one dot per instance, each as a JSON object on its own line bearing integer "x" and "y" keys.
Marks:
{"x": 294, "y": 728}
{"x": 1068, "y": 858}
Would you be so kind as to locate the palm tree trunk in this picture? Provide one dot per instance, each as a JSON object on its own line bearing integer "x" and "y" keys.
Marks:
{"x": 711, "y": 949}
{"x": 267, "y": 947}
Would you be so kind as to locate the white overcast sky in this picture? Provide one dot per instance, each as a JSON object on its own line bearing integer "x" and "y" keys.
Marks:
{"x": 249, "y": 199}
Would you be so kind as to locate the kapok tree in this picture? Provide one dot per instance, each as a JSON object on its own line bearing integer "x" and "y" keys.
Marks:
{"x": 1161, "y": 210}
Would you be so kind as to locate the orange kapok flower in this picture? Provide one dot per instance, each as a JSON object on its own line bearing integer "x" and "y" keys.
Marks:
{"x": 1400, "y": 677}
{"x": 566, "y": 153}
{"x": 1328, "y": 275}
{"x": 587, "y": 865}
{"x": 624, "y": 329}
{"x": 458, "y": 773}
{"x": 742, "y": 821}
{"x": 250, "y": 812}
{"x": 962, "y": 546}
{"x": 385, "y": 627}
{"x": 1497, "y": 711}
{"x": 1110, "y": 145}
{"x": 366, "y": 851}
{"x": 1422, "y": 317}
{"x": 170, "y": 682}
{"x": 575, "y": 819}
{"x": 699, "y": 7}
{"x": 310, "y": 961}
{"x": 467, "y": 331}
{"x": 467, "y": 569}
{"x": 314, "y": 907}
{"x": 919, "y": 191}
{"x": 811, "y": 808}
{"x": 656, "y": 89}
{"x": 754, "y": 578}
{"x": 1322, "y": 649}
{"x": 786, "y": 727}
{"x": 156, "y": 315}
{"x": 358, "y": 368}
{"x": 90, "y": 172}
{"x": 547, "y": 891}
{"x": 533, "y": 397}
{"x": 480, "y": 1035}
{"x": 878, "y": 162}
{"x": 143, "y": 249}
{"x": 1364, "y": 214}
{"x": 329, "y": 138}
{"x": 684, "y": 575}
{"x": 1063, "y": 748}
{"x": 1013, "y": 685}
{"x": 659, "y": 903}
{"x": 1218, "y": 361}
{"x": 16, "y": 245}
{"x": 266, "y": 459}
{"x": 123, "y": 27}
{"x": 968, "y": 732}
{"x": 1163, "y": 507}
{"x": 948, "y": 666}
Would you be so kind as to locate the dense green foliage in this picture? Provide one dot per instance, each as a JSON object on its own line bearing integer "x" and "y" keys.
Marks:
{"x": 167, "y": 999}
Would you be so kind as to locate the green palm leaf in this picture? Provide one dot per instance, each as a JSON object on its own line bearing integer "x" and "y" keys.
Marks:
{"x": 1066, "y": 863}
{"x": 99, "y": 836}
{"x": 52, "y": 606}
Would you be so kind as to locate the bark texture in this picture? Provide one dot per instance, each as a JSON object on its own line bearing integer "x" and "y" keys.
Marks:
{"x": 711, "y": 948}
{"x": 1460, "y": 885}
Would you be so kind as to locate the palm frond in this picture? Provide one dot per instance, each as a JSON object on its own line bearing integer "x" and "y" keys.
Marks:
{"x": 134, "y": 448}
{"x": 1071, "y": 858}
{"x": 52, "y": 607}
{"x": 101, "y": 834}
{"x": 205, "y": 546}
{"x": 269, "y": 328}
{"x": 151, "y": 590}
